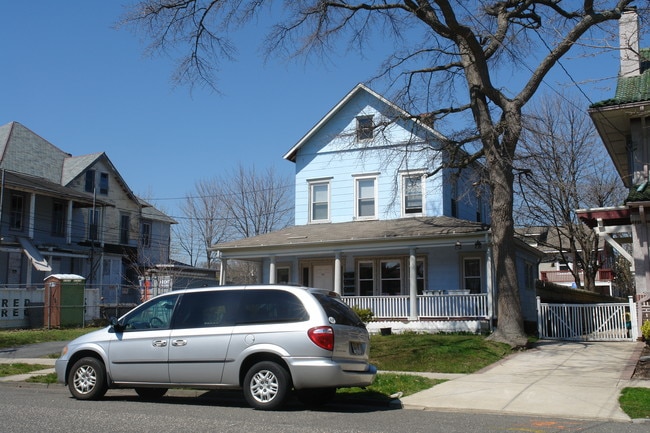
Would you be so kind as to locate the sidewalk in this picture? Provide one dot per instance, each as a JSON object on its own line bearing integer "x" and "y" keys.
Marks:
{"x": 564, "y": 379}
{"x": 30, "y": 354}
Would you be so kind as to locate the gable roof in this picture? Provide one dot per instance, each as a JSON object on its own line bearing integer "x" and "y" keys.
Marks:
{"x": 75, "y": 166}
{"x": 401, "y": 113}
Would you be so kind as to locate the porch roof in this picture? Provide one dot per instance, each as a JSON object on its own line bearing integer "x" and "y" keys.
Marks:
{"x": 357, "y": 235}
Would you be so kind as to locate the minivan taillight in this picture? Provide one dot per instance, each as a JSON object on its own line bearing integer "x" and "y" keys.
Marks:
{"x": 322, "y": 336}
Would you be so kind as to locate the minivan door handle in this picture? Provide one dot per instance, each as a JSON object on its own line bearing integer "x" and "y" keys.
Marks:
{"x": 179, "y": 342}
{"x": 159, "y": 343}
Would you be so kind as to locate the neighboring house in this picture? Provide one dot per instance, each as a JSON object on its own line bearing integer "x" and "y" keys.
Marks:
{"x": 376, "y": 224}
{"x": 558, "y": 261}
{"x": 61, "y": 214}
{"x": 623, "y": 123}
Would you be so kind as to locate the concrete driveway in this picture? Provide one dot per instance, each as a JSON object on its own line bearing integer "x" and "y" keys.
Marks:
{"x": 563, "y": 379}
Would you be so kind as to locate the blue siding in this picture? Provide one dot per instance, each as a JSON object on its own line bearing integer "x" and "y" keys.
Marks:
{"x": 333, "y": 154}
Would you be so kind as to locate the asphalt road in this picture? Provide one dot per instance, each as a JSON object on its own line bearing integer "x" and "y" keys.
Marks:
{"x": 37, "y": 408}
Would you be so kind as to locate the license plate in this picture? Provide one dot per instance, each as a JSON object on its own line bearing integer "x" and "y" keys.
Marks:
{"x": 357, "y": 348}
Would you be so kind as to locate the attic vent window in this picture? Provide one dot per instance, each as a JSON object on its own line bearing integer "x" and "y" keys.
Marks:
{"x": 365, "y": 128}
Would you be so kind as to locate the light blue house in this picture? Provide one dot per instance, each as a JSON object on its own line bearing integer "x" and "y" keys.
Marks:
{"x": 380, "y": 222}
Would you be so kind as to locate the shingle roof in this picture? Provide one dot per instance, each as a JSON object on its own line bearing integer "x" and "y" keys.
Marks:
{"x": 75, "y": 165}
{"x": 359, "y": 231}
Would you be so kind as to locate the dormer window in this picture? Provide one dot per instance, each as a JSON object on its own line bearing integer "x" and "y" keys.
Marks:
{"x": 365, "y": 128}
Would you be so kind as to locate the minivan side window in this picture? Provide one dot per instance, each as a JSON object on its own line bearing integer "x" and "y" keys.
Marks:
{"x": 156, "y": 314}
{"x": 270, "y": 306}
{"x": 206, "y": 309}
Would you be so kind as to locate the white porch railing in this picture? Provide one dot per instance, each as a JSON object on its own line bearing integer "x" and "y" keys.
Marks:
{"x": 429, "y": 306}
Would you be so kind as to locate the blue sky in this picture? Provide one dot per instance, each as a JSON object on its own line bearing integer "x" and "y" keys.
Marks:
{"x": 86, "y": 87}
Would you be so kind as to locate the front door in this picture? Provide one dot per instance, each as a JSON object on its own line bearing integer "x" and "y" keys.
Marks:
{"x": 141, "y": 350}
{"x": 323, "y": 277}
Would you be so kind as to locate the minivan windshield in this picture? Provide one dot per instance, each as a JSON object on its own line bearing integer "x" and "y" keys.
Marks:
{"x": 338, "y": 310}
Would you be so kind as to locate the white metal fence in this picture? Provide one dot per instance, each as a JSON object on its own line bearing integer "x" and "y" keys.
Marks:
{"x": 587, "y": 322}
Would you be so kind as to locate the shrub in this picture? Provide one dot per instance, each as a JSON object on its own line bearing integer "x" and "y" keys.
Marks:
{"x": 365, "y": 314}
{"x": 645, "y": 330}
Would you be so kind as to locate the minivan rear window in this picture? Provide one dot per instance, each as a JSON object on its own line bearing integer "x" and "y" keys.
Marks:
{"x": 338, "y": 310}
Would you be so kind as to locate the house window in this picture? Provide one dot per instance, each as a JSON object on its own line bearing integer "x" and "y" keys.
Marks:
{"x": 90, "y": 181}
{"x": 479, "y": 209}
{"x": 319, "y": 201}
{"x": 93, "y": 224}
{"x": 145, "y": 234}
{"x": 391, "y": 277}
{"x": 365, "y": 128}
{"x": 103, "y": 183}
{"x": 366, "y": 279}
{"x": 125, "y": 223}
{"x": 58, "y": 218}
{"x": 472, "y": 275}
{"x": 412, "y": 195}
{"x": 282, "y": 275}
{"x": 17, "y": 212}
{"x": 386, "y": 275}
{"x": 366, "y": 198}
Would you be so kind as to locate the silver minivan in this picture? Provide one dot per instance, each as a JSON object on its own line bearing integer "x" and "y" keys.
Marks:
{"x": 266, "y": 340}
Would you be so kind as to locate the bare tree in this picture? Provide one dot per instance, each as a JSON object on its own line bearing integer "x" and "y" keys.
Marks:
{"x": 206, "y": 220}
{"x": 448, "y": 54}
{"x": 564, "y": 170}
{"x": 257, "y": 202}
{"x": 237, "y": 204}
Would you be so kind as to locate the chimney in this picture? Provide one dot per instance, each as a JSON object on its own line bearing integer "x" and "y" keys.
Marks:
{"x": 629, "y": 43}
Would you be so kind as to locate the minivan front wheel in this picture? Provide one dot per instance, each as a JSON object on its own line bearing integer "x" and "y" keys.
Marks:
{"x": 266, "y": 385}
{"x": 87, "y": 379}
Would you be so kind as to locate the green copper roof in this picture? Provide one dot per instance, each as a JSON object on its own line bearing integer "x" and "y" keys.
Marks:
{"x": 632, "y": 89}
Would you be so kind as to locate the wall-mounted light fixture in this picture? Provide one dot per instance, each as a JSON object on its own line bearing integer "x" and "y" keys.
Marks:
{"x": 458, "y": 245}
{"x": 478, "y": 245}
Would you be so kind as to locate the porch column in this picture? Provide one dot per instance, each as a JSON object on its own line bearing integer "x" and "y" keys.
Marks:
{"x": 489, "y": 282}
{"x": 222, "y": 272}
{"x": 272, "y": 270}
{"x": 413, "y": 285}
{"x": 337, "y": 273}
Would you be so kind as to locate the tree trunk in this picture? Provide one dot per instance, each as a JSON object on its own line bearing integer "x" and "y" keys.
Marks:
{"x": 510, "y": 327}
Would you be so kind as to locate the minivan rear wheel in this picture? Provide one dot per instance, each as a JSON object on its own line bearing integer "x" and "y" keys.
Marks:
{"x": 87, "y": 379}
{"x": 266, "y": 385}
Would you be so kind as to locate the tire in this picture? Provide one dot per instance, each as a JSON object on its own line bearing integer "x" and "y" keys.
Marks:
{"x": 151, "y": 393}
{"x": 87, "y": 379}
{"x": 314, "y": 397}
{"x": 266, "y": 386}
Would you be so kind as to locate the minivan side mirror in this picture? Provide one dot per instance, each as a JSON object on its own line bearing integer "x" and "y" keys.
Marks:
{"x": 116, "y": 324}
